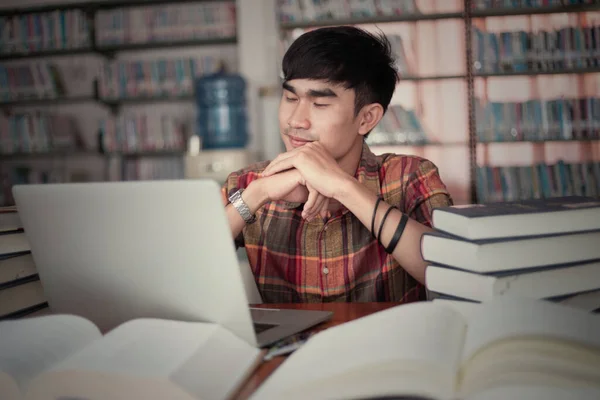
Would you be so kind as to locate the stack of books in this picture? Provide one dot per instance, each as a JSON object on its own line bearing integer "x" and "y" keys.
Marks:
{"x": 21, "y": 291}
{"x": 542, "y": 249}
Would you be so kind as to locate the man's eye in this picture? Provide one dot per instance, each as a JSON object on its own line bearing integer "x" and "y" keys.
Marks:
{"x": 291, "y": 99}
{"x": 318, "y": 105}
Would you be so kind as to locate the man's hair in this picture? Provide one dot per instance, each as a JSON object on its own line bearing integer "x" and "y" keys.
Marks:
{"x": 347, "y": 56}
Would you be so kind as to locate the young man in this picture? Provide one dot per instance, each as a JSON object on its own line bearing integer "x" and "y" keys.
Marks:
{"x": 328, "y": 220}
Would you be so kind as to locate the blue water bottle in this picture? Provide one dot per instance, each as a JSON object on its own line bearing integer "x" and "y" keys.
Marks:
{"x": 221, "y": 102}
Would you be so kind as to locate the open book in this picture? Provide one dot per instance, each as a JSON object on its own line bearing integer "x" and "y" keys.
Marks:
{"x": 503, "y": 349}
{"x": 66, "y": 357}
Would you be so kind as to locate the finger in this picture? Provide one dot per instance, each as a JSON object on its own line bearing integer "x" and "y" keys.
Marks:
{"x": 316, "y": 208}
{"x": 313, "y": 209}
{"x": 297, "y": 176}
{"x": 278, "y": 166}
{"x": 281, "y": 157}
{"x": 312, "y": 214}
{"x": 284, "y": 155}
{"x": 273, "y": 161}
{"x": 324, "y": 208}
{"x": 320, "y": 153}
{"x": 312, "y": 198}
{"x": 317, "y": 148}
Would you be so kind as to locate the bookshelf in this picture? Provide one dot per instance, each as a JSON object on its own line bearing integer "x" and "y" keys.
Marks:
{"x": 536, "y": 134}
{"x": 95, "y": 36}
{"x": 115, "y": 104}
{"x": 51, "y": 154}
{"x": 445, "y": 71}
{"x": 8, "y": 105}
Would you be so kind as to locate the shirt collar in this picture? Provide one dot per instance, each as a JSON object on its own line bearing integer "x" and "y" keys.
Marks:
{"x": 366, "y": 174}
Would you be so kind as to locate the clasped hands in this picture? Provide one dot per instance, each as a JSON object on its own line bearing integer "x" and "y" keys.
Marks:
{"x": 305, "y": 174}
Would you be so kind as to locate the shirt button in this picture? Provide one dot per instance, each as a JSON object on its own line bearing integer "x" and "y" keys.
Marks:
{"x": 325, "y": 270}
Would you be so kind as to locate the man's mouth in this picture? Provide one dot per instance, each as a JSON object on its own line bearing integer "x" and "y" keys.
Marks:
{"x": 297, "y": 142}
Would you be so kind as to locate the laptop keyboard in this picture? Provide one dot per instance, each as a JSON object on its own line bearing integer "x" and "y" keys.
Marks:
{"x": 258, "y": 328}
{"x": 257, "y": 315}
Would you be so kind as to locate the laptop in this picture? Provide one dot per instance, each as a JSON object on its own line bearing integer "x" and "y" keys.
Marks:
{"x": 115, "y": 251}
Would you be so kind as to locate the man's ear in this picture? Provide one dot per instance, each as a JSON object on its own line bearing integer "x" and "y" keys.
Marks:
{"x": 370, "y": 115}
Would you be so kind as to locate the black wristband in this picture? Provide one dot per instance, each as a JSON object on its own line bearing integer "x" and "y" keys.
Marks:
{"x": 373, "y": 219}
{"x": 383, "y": 222}
{"x": 394, "y": 242}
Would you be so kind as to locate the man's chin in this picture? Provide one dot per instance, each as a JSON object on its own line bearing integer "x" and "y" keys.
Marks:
{"x": 287, "y": 145}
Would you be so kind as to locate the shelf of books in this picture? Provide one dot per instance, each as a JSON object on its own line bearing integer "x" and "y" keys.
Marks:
{"x": 537, "y": 102}
{"x": 104, "y": 65}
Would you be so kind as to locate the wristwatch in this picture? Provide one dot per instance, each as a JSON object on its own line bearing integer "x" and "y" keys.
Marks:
{"x": 242, "y": 207}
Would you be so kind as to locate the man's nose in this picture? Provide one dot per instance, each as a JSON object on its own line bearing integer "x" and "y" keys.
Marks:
{"x": 299, "y": 117}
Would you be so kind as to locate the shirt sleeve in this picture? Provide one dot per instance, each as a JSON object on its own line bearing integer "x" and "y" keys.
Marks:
{"x": 413, "y": 184}
{"x": 423, "y": 191}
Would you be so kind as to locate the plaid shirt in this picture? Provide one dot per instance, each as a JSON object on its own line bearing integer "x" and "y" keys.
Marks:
{"x": 338, "y": 260}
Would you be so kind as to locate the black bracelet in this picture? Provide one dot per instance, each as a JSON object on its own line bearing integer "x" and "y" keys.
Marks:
{"x": 373, "y": 219}
{"x": 383, "y": 222}
{"x": 401, "y": 225}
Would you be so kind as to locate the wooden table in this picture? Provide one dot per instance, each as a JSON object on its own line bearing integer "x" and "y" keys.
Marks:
{"x": 342, "y": 312}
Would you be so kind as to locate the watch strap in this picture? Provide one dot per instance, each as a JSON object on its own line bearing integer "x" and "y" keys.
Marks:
{"x": 240, "y": 205}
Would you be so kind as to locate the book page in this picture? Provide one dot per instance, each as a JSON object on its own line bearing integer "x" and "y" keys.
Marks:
{"x": 8, "y": 388}
{"x": 181, "y": 354}
{"x": 517, "y": 341}
{"x": 92, "y": 385}
{"x": 217, "y": 369}
{"x": 510, "y": 316}
{"x": 465, "y": 308}
{"x": 537, "y": 393}
{"x": 411, "y": 349}
{"x": 30, "y": 346}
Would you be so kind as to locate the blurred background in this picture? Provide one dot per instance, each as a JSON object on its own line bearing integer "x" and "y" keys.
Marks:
{"x": 502, "y": 95}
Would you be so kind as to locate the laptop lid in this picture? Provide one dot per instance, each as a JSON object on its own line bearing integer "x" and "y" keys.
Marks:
{"x": 114, "y": 251}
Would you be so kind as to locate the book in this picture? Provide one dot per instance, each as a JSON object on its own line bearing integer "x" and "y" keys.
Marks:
{"x": 9, "y": 219}
{"x": 16, "y": 268}
{"x": 519, "y": 218}
{"x": 464, "y": 307}
{"x": 66, "y": 356}
{"x": 500, "y": 349}
{"x": 511, "y": 253}
{"x": 13, "y": 243}
{"x": 587, "y": 301}
{"x": 23, "y": 298}
{"x": 539, "y": 284}
{"x": 21, "y": 292}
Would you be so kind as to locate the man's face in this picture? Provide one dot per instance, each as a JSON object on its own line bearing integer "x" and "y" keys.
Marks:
{"x": 312, "y": 110}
